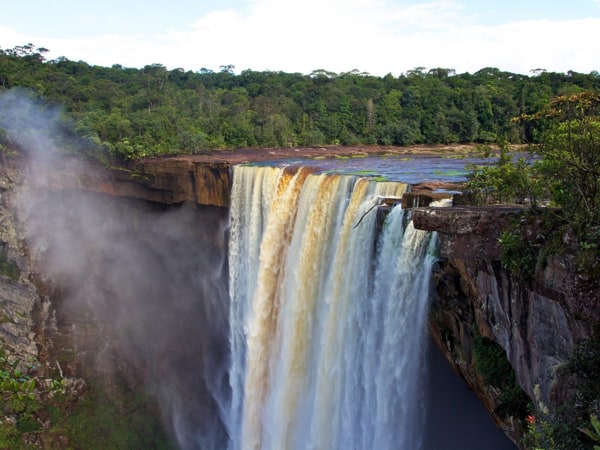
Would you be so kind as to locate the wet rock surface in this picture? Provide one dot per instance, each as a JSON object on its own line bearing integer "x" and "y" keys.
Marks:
{"x": 18, "y": 295}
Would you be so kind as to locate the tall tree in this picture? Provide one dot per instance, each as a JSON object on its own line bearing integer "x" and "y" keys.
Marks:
{"x": 570, "y": 150}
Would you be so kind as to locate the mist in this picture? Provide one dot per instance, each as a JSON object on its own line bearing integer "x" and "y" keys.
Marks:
{"x": 143, "y": 287}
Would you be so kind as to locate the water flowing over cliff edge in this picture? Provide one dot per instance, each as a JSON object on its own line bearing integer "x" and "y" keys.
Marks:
{"x": 327, "y": 321}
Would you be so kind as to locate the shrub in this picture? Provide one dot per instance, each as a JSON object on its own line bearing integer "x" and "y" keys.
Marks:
{"x": 495, "y": 369}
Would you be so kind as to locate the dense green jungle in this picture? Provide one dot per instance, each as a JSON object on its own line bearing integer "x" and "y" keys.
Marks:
{"x": 132, "y": 113}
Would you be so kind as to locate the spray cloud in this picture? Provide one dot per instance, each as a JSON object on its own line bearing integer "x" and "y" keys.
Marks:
{"x": 143, "y": 286}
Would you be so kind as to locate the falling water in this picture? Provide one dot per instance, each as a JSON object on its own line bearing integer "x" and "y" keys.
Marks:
{"x": 326, "y": 313}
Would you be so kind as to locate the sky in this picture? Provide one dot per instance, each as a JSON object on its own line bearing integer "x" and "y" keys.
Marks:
{"x": 375, "y": 36}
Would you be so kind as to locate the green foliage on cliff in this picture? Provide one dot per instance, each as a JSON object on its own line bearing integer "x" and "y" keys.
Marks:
{"x": 574, "y": 425}
{"x": 7, "y": 267}
{"x": 570, "y": 156}
{"x": 132, "y": 113}
{"x": 20, "y": 401}
{"x": 585, "y": 362}
{"x": 509, "y": 178}
{"x": 46, "y": 413}
{"x": 490, "y": 361}
{"x": 495, "y": 369}
{"x": 584, "y": 365}
{"x": 593, "y": 432}
{"x": 98, "y": 422}
{"x": 518, "y": 256}
{"x": 562, "y": 173}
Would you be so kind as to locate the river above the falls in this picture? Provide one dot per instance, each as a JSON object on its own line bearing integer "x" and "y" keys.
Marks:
{"x": 408, "y": 169}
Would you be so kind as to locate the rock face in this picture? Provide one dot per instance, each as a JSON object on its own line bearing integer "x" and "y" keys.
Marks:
{"x": 468, "y": 233}
{"x": 108, "y": 287}
{"x": 537, "y": 323}
{"x": 162, "y": 180}
{"x": 19, "y": 299}
{"x": 176, "y": 180}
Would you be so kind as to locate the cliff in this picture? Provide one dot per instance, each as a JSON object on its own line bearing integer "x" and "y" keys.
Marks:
{"x": 19, "y": 298}
{"x": 99, "y": 289}
{"x": 166, "y": 181}
{"x": 537, "y": 323}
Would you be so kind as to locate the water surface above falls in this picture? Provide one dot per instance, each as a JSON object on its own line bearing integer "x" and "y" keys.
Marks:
{"x": 411, "y": 169}
{"x": 206, "y": 178}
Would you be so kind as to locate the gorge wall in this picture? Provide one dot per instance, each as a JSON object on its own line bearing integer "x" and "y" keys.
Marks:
{"x": 111, "y": 294}
{"x": 537, "y": 325}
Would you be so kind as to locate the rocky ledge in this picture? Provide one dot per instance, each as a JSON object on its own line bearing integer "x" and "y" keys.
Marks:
{"x": 206, "y": 178}
{"x": 468, "y": 232}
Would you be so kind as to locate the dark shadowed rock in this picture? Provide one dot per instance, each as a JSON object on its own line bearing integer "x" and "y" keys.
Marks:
{"x": 537, "y": 322}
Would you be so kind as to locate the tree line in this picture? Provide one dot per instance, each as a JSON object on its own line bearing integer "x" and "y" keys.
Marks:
{"x": 132, "y": 113}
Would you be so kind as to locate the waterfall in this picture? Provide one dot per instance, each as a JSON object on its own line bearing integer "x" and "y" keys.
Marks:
{"x": 327, "y": 313}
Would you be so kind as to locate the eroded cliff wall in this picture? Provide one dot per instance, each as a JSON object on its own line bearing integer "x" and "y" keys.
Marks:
{"x": 166, "y": 181}
{"x": 537, "y": 322}
{"x": 115, "y": 281}
{"x": 19, "y": 298}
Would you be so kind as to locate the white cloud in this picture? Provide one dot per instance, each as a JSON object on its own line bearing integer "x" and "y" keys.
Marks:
{"x": 336, "y": 35}
{"x": 376, "y": 36}
{"x": 10, "y": 38}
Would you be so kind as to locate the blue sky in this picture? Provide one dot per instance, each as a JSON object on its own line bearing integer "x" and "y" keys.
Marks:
{"x": 374, "y": 36}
